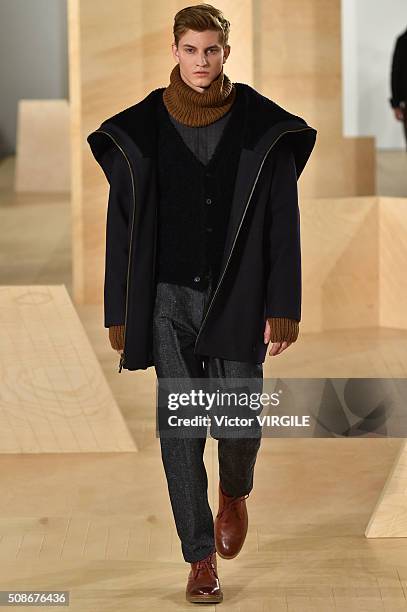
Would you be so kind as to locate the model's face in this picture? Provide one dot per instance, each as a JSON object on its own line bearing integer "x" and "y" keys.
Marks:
{"x": 200, "y": 51}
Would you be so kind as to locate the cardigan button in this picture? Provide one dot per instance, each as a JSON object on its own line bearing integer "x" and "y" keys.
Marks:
{"x": 208, "y": 201}
{"x": 208, "y": 229}
{"x": 197, "y": 279}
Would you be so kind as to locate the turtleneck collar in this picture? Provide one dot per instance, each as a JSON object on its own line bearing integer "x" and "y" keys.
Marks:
{"x": 194, "y": 108}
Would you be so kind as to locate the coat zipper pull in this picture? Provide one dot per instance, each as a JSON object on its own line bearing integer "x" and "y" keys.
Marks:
{"x": 121, "y": 362}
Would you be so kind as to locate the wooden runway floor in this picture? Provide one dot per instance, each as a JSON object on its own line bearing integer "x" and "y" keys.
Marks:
{"x": 100, "y": 525}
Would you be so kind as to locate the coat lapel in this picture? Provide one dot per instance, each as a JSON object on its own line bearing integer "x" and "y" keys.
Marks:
{"x": 249, "y": 163}
{"x": 249, "y": 169}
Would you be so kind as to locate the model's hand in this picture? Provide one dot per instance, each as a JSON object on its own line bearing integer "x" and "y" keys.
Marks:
{"x": 398, "y": 113}
{"x": 277, "y": 347}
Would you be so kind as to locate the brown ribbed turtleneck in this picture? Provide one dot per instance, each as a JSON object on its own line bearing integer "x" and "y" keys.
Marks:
{"x": 194, "y": 108}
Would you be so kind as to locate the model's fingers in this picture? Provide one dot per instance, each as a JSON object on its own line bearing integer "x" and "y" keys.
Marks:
{"x": 275, "y": 348}
{"x": 266, "y": 334}
{"x": 288, "y": 344}
{"x": 284, "y": 345}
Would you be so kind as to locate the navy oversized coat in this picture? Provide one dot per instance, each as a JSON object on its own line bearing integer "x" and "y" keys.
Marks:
{"x": 260, "y": 274}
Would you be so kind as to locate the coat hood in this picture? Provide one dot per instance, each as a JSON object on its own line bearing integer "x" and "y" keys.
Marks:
{"x": 265, "y": 121}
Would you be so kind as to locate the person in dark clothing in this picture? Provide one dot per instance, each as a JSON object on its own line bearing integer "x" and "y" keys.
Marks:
{"x": 398, "y": 100}
{"x": 212, "y": 168}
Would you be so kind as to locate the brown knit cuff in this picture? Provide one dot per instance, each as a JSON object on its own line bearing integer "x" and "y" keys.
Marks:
{"x": 283, "y": 329}
{"x": 116, "y": 337}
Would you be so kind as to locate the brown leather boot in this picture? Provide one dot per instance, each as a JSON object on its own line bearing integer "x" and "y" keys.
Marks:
{"x": 203, "y": 582}
{"x": 230, "y": 524}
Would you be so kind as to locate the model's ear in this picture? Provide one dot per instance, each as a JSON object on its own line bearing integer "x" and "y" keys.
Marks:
{"x": 175, "y": 51}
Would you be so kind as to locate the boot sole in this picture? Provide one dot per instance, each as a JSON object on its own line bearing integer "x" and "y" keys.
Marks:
{"x": 229, "y": 556}
{"x": 204, "y": 598}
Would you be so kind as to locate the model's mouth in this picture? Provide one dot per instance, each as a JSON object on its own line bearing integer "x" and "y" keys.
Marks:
{"x": 201, "y": 73}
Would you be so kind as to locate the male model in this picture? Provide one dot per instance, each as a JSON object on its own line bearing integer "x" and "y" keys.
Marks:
{"x": 203, "y": 262}
{"x": 398, "y": 100}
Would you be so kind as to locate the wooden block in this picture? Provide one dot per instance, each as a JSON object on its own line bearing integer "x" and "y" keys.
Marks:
{"x": 43, "y": 146}
{"x": 54, "y": 397}
{"x": 389, "y": 518}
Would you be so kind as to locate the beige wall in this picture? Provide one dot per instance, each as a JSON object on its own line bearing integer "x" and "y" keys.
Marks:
{"x": 298, "y": 64}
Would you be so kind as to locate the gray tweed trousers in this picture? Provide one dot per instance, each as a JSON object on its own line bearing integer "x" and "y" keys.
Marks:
{"x": 178, "y": 313}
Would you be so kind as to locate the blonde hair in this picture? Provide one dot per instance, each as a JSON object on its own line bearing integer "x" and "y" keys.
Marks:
{"x": 201, "y": 17}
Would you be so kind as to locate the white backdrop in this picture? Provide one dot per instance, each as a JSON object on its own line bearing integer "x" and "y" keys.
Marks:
{"x": 33, "y": 58}
{"x": 369, "y": 32}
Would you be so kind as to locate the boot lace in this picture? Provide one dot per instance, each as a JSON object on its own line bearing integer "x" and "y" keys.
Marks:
{"x": 234, "y": 502}
{"x": 207, "y": 564}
